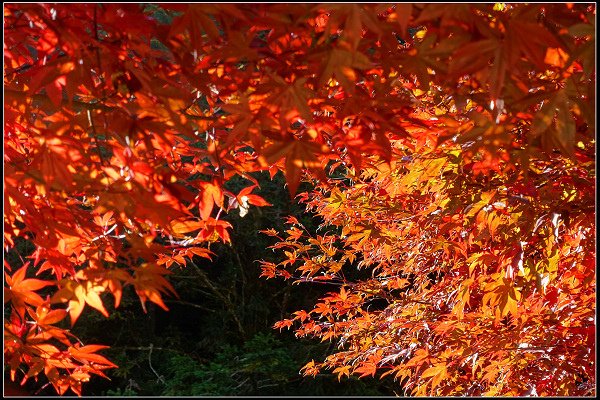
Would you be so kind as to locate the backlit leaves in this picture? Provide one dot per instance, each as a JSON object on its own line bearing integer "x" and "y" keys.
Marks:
{"x": 460, "y": 275}
{"x": 22, "y": 291}
{"x": 150, "y": 284}
{"x": 298, "y": 156}
{"x": 462, "y": 142}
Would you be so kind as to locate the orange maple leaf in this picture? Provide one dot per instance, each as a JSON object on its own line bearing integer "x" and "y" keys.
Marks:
{"x": 21, "y": 291}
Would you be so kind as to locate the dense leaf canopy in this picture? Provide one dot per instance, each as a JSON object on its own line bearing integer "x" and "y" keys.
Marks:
{"x": 451, "y": 147}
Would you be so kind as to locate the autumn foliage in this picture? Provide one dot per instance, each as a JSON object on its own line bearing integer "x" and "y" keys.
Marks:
{"x": 451, "y": 147}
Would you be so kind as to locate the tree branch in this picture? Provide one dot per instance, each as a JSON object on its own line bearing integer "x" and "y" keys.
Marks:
{"x": 226, "y": 301}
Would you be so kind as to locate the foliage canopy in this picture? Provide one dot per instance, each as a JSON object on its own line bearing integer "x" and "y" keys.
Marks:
{"x": 452, "y": 149}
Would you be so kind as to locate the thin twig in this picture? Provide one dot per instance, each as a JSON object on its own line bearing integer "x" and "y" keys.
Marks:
{"x": 160, "y": 377}
{"x": 187, "y": 303}
{"x": 226, "y": 301}
{"x": 95, "y": 136}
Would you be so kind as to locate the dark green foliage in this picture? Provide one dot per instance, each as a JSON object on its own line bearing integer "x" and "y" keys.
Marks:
{"x": 263, "y": 366}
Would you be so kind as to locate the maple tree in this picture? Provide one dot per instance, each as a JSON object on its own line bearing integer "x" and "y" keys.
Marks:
{"x": 452, "y": 148}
